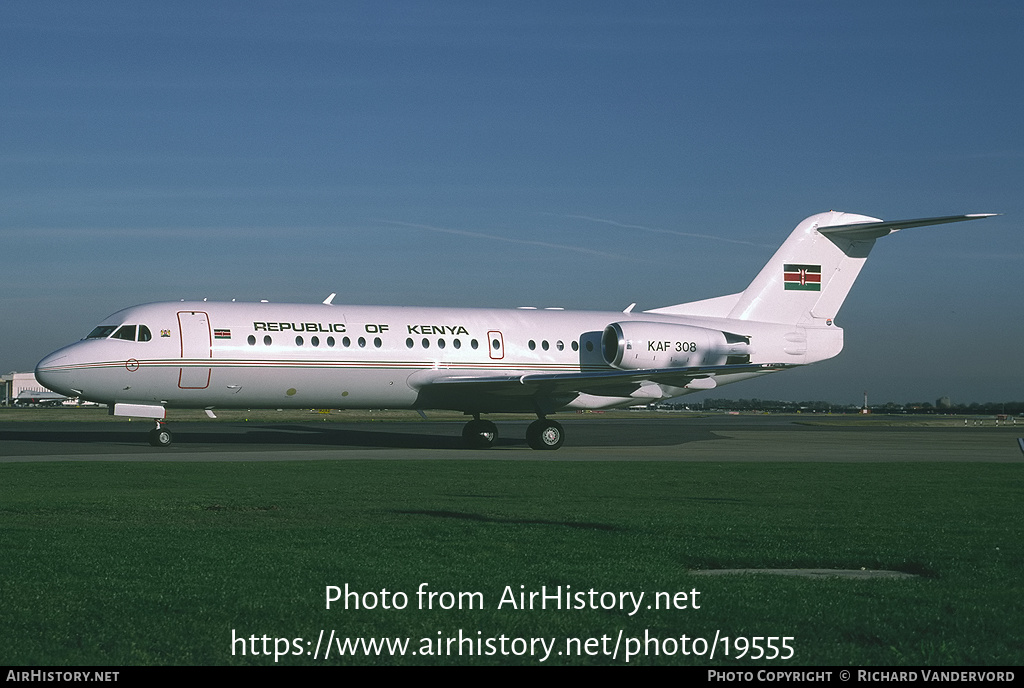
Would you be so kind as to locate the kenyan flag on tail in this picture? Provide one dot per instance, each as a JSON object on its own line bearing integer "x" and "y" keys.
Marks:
{"x": 802, "y": 277}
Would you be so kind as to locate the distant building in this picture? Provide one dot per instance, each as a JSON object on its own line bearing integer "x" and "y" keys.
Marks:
{"x": 943, "y": 403}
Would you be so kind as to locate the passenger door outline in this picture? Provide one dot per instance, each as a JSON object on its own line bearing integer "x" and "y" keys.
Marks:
{"x": 196, "y": 343}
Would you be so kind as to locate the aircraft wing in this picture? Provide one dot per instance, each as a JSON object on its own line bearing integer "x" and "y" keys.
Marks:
{"x": 530, "y": 392}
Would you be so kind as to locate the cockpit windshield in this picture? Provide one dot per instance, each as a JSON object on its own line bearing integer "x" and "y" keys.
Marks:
{"x": 102, "y": 332}
{"x": 130, "y": 333}
{"x": 125, "y": 332}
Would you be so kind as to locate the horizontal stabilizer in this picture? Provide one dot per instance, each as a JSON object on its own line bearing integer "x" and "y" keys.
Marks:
{"x": 873, "y": 230}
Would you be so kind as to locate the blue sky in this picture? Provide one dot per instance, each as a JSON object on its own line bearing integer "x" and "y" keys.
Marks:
{"x": 574, "y": 154}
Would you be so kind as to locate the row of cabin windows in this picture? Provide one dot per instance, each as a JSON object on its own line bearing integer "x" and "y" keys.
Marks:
{"x": 558, "y": 345}
{"x": 425, "y": 343}
{"x": 441, "y": 343}
{"x": 316, "y": 341}
{"x": 141, "y": 333}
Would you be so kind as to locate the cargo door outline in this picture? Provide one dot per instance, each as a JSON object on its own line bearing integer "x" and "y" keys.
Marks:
{"x": 196, "y": 343}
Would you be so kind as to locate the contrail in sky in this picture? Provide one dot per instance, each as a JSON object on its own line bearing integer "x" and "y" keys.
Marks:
{"x": 662, "y": 231}
{"x": 510, "y": 240}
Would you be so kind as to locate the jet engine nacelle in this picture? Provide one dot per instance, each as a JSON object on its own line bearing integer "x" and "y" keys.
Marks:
{"x": 641, "y": 345}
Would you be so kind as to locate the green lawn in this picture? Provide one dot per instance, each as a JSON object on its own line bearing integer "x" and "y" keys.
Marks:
{"x": 160, "y": 563}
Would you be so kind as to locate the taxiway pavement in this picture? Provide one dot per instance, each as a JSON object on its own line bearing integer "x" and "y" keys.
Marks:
{"x": 718, "y": 438}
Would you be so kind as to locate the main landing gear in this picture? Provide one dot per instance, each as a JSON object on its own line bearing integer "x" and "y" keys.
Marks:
{"x": 545, "y": 434}
{"x": 541, "y": 434}
{"x": 160, "y": 436}
{"x": 480, "y": 434}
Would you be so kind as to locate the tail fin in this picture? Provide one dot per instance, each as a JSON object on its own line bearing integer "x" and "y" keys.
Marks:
{"x": 808, "y": 278}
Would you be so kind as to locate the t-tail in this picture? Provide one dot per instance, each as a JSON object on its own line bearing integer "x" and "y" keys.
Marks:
{"x": 803, "y": 286}
{"x": 808, "y": 278}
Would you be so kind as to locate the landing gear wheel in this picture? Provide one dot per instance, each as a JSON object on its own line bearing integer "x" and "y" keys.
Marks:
{"x": 160, "y": 437}
{"x": 545, "y": 434}
{"x": 480, "y": 434}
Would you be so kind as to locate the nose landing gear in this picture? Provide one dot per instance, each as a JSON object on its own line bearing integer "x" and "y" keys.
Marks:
{"x": 160, "y": 436}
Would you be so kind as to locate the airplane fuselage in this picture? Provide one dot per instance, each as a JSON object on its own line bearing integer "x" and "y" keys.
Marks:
{"x": 245, "y": 355}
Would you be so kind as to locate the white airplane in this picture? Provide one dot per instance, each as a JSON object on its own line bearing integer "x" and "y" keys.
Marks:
{"x": 33, "y": 398}
{"x": 146, "y": 359}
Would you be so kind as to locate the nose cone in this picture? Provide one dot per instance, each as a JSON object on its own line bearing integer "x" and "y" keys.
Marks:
{"x": 54, "y": 373}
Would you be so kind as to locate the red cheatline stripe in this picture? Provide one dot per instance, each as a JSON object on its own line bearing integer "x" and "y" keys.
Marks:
{"x": 255, "y": 363}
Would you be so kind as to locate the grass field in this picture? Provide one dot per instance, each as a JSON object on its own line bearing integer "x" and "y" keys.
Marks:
{"x": 160, "y": 563}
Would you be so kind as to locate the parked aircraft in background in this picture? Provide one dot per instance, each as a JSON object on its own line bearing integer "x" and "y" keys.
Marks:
{"x": 33, "y": 398}
{"x": 150, "y": 358}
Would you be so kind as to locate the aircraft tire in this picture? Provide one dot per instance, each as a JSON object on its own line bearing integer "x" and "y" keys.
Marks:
{"x": 160, "y": 437}
{"x": 480, "y": 434}
{"x": 545, "y": 435}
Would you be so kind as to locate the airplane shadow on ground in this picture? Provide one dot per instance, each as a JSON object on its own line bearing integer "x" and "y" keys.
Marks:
{"x": 469, "y": 516}
{"x": 409, "y": 436}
